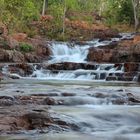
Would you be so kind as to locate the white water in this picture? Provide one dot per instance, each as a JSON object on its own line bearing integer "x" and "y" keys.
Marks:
{"x": 79, "y": 74}
{"x": 71, "y": 52}
{"x": 64, "y": 52}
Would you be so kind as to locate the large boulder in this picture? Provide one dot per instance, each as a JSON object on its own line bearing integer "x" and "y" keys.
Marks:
{"x": 41, "y": 47}
{"x": 99, "y": 55}
{"x": 22, "y": 69}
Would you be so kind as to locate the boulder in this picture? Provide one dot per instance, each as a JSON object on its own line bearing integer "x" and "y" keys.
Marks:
{"x": 50, "y": 101}
{"x": 99, "y": 55}
{"x": 22, "y": 69}
{"x": 41, "y": 47}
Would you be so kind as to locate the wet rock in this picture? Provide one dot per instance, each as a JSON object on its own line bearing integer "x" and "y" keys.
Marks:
{"x": 46, "y": 94}
{"x": 125, "y": 78}
{"x": 120, "y": 90}
{"x": 38, "y": 120}
{"x": 111, "y": 78}
{"x": 132, "y": 98}
{"x": 99, "y": 55}
{"x": 138, "y": 79}
{"x": 70, "y": 66}
{"x": 7, "y": 101}
{"x": 68, "y": 94}
{"x": 119, "y": 101}
{"x": 102, "y": 76}
{"x": 131, "y": 67}
{"x": 112, "y": 45}
{"x": 50, "y": 101}
{"x": 22, "y": 69}
{"x": 99, "y": 95}
{"x": 22, "y": 119}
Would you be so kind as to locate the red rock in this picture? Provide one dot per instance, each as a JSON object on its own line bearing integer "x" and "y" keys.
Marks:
{"x": 99, "y": 55}
{"x": 19, "y": 37}
{"x": 136, "y": 39}
{"x": 107, "y": 33}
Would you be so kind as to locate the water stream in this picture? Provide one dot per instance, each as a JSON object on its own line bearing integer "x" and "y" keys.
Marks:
{"x": 102, "y": 109}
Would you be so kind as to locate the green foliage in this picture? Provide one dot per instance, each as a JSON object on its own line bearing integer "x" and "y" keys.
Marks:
{"x": 120, "y": 11}
{"x": 18, "y": 14}
{"x": 24, "y": 47}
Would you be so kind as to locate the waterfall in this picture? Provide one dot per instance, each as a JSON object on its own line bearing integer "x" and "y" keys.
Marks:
{"x": 65, "y": 52}
{"x": 74, "y": 53}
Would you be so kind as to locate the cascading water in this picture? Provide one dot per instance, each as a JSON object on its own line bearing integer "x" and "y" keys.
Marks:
{"x": 65, "y": 52}
{"x": 73, "y": 53}
{"x": 100, "y": 73}
{"x": 103, "y": 111}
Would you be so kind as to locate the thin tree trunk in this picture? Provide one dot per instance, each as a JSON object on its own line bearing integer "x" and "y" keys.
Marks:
{"x": 45, "y": 5}
{"x": 136, "y": 4}
{"x": 64, "y": 16}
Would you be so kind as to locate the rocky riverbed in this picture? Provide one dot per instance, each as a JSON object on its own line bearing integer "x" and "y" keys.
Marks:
{"x": 96, "y": 110}
{"x": 71, "y": 90}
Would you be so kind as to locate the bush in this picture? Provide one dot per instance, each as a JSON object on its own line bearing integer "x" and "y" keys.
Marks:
{"x": 24, "y": 47}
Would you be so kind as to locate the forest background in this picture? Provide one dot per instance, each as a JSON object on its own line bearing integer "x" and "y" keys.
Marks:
{"x": 59, "y": 19}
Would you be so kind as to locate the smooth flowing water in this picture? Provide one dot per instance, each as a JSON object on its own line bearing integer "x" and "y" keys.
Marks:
{"x": 102, "y": 109}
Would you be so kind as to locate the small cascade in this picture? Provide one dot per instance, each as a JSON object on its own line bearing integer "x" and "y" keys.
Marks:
{"x": 101, "y": 72}
{"x": 66, "y": 52}
{"x": 68, "y": 62}
{"x": 72, "y": 52}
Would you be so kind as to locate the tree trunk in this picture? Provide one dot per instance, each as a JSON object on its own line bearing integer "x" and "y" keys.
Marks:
{"x": 64, "y": 16}
{"x": 136, "y": 4}
{"x": 45, "y": 5}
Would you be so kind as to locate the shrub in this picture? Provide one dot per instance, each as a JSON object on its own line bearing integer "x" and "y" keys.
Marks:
{"x": 24, "y": 47}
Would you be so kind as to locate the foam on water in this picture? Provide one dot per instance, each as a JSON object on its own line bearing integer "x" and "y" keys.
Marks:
{"x": 79, "y": 74}
{"x": 72, "y": 52}
{"x": 65, "y": 52}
